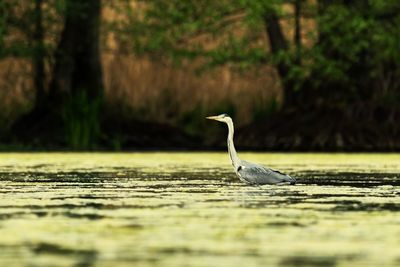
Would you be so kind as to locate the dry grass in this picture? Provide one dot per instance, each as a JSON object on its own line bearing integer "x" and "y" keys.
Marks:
{"x": 163, "y": 92}
{"x": 152, "y": 89}
{"x": 16, "y": 94}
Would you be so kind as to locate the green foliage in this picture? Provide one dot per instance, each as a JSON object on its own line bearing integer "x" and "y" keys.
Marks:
{"x": 177, "y": 29}
{"x": 343, "y": 38}
{"x": 17, "y": 27}
{"x": 82, "y": 121}
{"x": 356, "y": 43}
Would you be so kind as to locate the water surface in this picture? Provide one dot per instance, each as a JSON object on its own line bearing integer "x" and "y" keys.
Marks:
{"x": 189, "y": 209}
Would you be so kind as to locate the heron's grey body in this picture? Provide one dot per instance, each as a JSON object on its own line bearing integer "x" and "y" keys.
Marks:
{"x": 256, "y": 174}
{"x": 248, "y": 172}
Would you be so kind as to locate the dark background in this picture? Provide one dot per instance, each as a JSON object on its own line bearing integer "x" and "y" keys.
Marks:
{"x": 295, "y": 75}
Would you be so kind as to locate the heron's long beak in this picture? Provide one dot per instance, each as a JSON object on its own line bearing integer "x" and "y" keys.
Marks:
{"x": 212, "y": 118}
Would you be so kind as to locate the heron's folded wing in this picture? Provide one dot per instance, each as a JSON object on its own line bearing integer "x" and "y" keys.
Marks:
{"x": 260, "y": 175}
{"x": 285, "y": 177}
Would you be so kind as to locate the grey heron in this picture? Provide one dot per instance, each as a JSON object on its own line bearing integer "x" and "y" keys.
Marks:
{"x": 248, "y": 172}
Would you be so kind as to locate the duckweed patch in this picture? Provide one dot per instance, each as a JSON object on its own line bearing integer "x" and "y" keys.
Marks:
{"x": 189, "y": 209}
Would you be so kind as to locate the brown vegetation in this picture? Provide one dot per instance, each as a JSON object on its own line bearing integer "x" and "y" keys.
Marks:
{"x": 16, "y": 94}
{"x": 153, "y": 90}
{"x": 162, "y": 92}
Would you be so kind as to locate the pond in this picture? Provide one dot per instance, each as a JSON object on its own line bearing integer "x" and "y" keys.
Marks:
{"x": 189, "y": 209}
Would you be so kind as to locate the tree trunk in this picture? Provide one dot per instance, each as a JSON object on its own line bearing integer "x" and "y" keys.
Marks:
{"x": 69, "y": 114}
{"x": 38, "y": 58}
{"x": 77, "y": 79}
{"x": 297, "y": 30}
{"x": 279, "y": 45}
{"x": 78, "y": 66}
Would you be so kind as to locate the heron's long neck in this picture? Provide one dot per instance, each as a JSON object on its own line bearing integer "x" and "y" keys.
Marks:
{"x": 231, "y": 147}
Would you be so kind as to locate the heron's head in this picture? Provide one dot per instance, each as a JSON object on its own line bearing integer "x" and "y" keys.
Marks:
{"x": 222, "y": 118}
